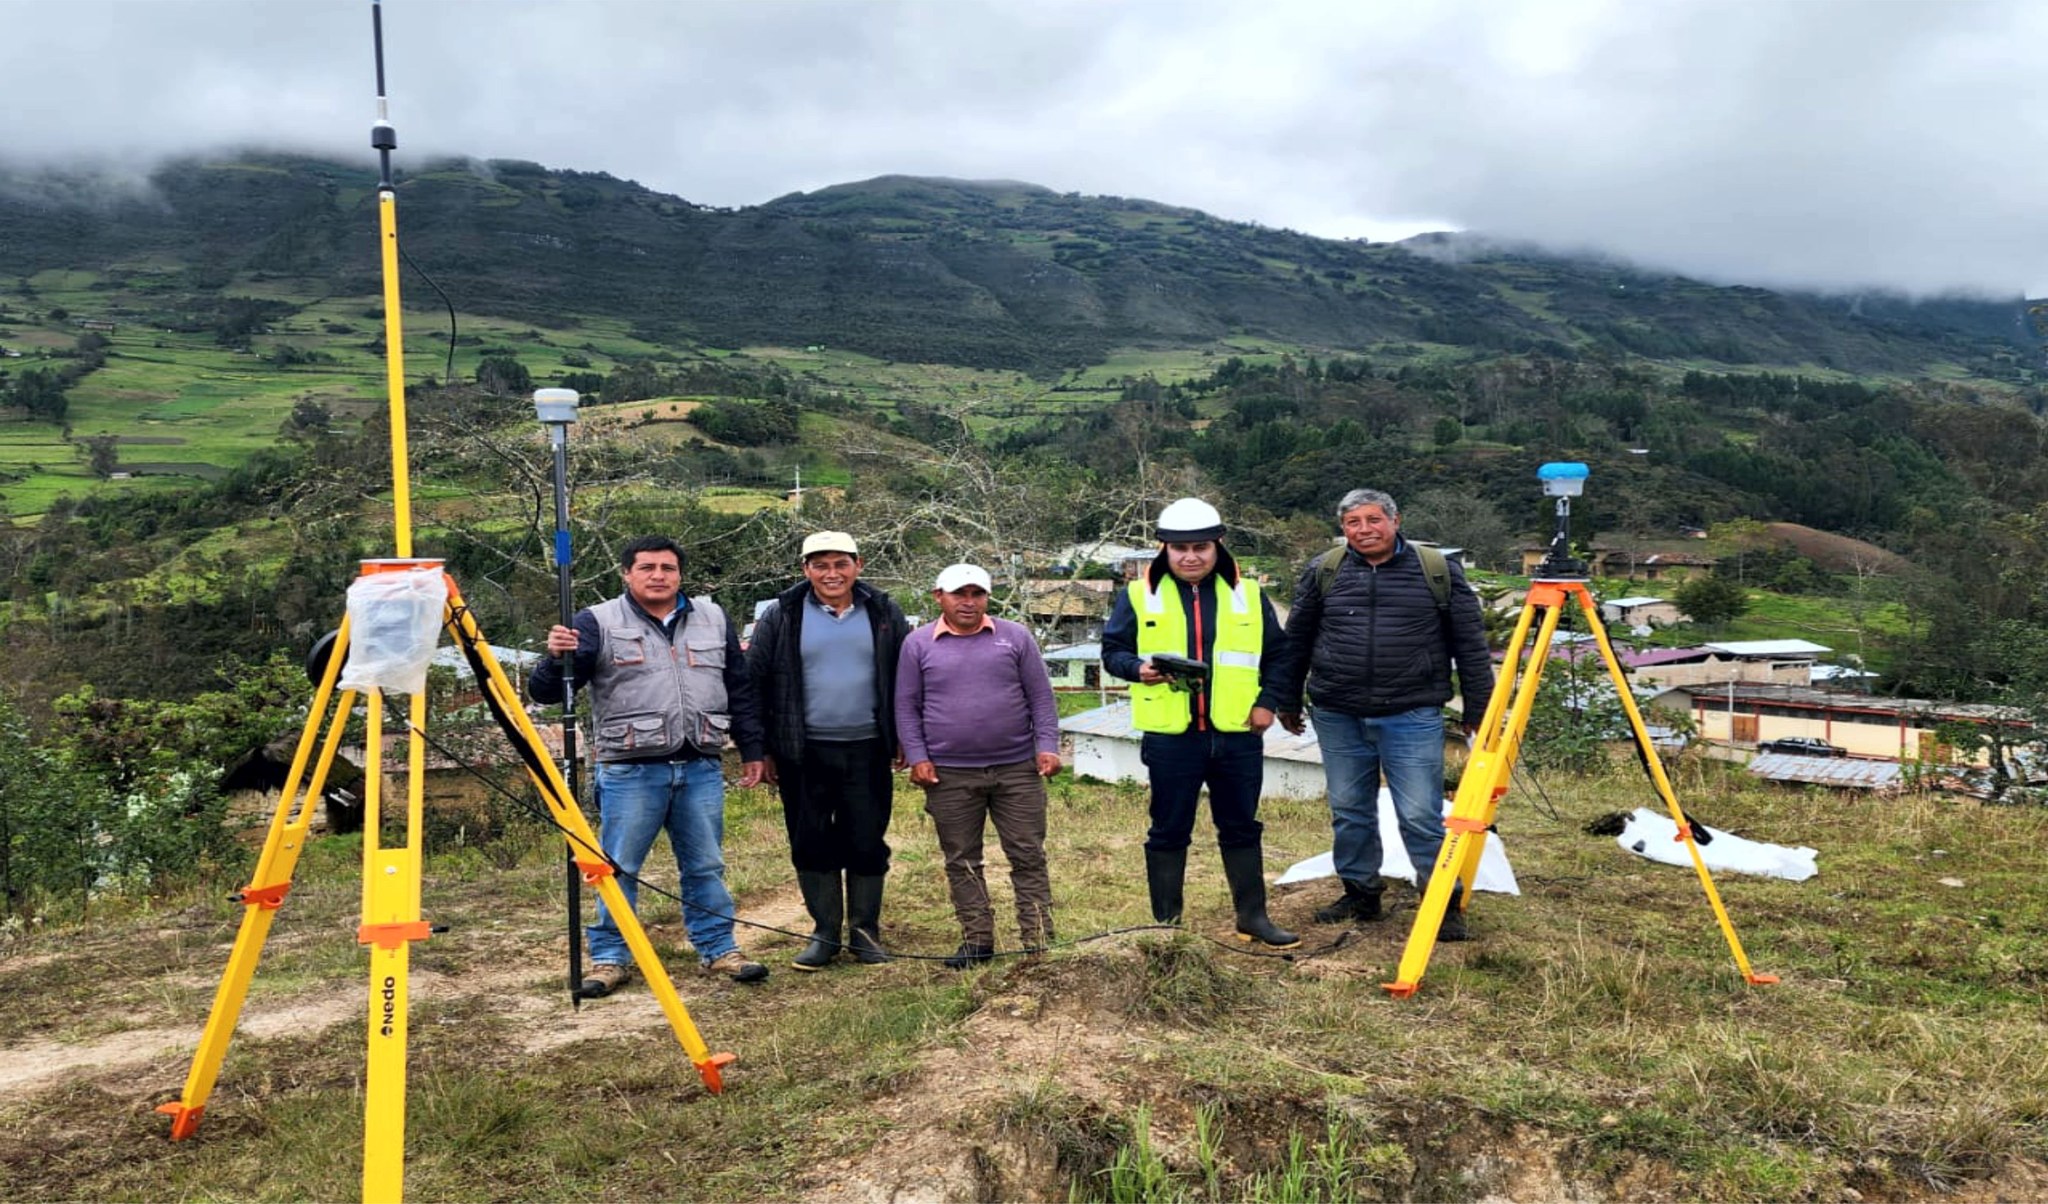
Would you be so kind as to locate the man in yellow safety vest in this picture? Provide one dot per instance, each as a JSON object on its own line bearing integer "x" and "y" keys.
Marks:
{"x": 1203, "y": 724}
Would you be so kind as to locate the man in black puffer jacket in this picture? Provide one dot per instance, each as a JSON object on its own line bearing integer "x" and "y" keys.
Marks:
{"x": 823, "y": 664}
{"x": 1375, "y": 643}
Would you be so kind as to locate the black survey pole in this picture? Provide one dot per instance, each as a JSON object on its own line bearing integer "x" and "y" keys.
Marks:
{"x": 556, "y": 409}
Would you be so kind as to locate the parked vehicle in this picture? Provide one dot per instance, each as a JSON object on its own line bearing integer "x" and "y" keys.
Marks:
{"x": 1803, "y": 746}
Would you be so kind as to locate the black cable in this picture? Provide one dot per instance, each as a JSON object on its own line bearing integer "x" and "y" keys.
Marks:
{"x": 1528, "y": 776}
{"x": 516, "y": 556}
{"x": 448, "y": 375}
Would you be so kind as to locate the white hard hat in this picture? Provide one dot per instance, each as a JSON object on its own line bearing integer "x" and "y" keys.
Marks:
{"x": 1187, "y": 520}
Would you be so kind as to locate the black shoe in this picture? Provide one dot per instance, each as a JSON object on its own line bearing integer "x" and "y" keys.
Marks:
{"x": 1453, "y": 926}
{"x": 1164, "y": 873}
{"x": 969, "y": 955}
{"x": 823, "y": 900}
{"x": 864, "y": 918}
{"x": 1245, "y": 870}
{"x": 1359, "y": 902}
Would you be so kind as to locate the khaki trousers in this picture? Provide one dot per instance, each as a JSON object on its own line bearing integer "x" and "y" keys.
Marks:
{"x": 960, "y": 806}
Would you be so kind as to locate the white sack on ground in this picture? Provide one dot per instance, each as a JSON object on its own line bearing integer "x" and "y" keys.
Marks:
{"x": 1495, "y": 874}
{"x": 1651, "y": 834}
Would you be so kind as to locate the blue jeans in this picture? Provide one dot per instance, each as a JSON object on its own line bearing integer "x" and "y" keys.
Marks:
{"x": 686, "y": 799}
{"x": 1233, "y": 764}
{"x": 1409, "y": 749}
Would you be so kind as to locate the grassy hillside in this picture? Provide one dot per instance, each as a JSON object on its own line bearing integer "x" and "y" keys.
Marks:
{"x": 238, "y": 289}
{"x": 993, "y": 275}
{"x": 1592, "y": 1042}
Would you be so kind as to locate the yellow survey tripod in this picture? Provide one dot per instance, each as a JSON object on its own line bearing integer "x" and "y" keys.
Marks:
{"x": 391, "y": 917}
{"x": 1558, "y": 581}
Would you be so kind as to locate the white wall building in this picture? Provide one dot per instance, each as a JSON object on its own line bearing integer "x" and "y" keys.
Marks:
{"x": 1105, "y": 748}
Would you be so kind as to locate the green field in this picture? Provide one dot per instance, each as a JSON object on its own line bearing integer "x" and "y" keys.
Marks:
{"x": 184, "y": 407}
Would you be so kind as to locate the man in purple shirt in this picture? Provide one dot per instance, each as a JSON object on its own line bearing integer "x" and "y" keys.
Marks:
{"x": 974, "y": 711}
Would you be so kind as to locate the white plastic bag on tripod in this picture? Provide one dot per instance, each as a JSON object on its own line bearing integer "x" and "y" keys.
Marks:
{"x": 394, "y": 621}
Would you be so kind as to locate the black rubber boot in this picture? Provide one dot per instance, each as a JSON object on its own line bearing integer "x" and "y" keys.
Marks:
{"x": 1245, "y": 870}
{"x": 1360, "y": 901}
{"x": 1453, "y": 927}
{"x": 1164, "y": 873}
{"x": 864, "y": 918}
{"x": 827, "y": 907}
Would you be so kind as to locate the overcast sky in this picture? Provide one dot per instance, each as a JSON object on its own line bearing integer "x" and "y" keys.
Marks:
{"x": 1847, "y": 144}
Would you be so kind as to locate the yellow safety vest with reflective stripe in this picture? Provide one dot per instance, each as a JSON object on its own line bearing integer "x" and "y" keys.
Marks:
{"x": 1233, "y": 663}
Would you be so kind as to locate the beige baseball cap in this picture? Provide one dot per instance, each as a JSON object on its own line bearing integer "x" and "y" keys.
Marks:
{"x": 830, "y": 541}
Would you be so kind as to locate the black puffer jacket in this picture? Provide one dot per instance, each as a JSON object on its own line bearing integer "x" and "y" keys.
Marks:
{"x": 1377, "y": 645}
{"x": 775, "y": 661}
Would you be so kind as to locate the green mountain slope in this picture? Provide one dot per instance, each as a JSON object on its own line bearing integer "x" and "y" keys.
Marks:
{"x": 984, "y": 274}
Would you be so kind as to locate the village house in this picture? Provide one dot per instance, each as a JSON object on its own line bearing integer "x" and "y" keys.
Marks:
{"x": 1079, "y": 667}
{"x": 1067, "y": 611}
{"x": 1123, "y": 560}
{"x": 1641, "y": 612}
{"x": 1106, "y": 749}
{"x": 1780, "y": 662}
{"x": 1746, "y": 714}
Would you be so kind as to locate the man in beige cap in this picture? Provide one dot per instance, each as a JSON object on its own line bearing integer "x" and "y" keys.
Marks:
{"x": 823, "y": 663}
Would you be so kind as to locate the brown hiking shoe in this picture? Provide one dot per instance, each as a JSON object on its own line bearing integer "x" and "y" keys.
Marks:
{"x": 734, "y": 965}
{"x": 604, "y": 978}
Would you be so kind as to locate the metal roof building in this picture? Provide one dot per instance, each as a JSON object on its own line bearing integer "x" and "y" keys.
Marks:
{"x": 1846, "y": 773}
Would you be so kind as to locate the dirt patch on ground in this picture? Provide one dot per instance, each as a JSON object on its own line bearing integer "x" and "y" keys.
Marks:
{"x": 1837, "y": 553}
{"x": 39, "y": 1064}
{"x": 508, "y": 979}
{"x": 963, "y": 1127}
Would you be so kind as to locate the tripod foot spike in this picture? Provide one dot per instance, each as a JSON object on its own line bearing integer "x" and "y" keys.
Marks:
{"x": 1399, "y": 990}
{"x": 1762, "y": 980}
{"x": 184, "y": 1120}
{"x": 712, "y": 1067}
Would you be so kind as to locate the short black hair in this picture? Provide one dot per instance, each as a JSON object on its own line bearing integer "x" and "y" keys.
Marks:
{"x": 649, "y": 543}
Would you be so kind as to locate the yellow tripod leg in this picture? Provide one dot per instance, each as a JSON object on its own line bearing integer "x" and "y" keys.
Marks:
{"x": 1669, "y": 795}
{"x": 583, "y": 845}
{"x": 391, "y": 922}
{"x": 1480, "y": 788}
{"x": 268, "y": 886}
{"x": 1495, "y": 766}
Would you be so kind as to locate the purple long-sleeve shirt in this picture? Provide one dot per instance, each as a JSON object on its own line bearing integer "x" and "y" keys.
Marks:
{"x": 974, "y": 700}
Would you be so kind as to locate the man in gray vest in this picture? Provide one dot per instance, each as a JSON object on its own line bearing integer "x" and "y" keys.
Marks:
{"x": 823, "y": 660}
{"x": 667, "y": 685}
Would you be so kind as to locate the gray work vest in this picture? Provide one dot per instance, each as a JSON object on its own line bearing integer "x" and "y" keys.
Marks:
{"x": 654, "y": 698}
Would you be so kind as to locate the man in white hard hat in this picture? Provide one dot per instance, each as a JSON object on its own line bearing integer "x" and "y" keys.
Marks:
{"x": 1193, "y": 603}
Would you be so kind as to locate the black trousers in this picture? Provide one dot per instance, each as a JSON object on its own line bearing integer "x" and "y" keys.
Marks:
{"x": 1231, "y": 764}
{"x": 836, "y": 804}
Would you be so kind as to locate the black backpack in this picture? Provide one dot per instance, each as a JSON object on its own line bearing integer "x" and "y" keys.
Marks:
{"x": 1435, "y": 569}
